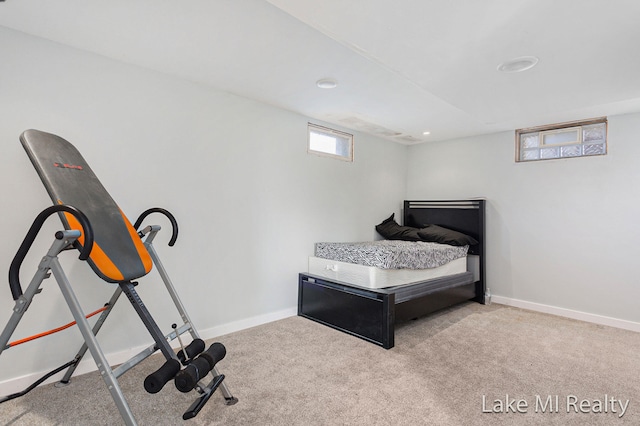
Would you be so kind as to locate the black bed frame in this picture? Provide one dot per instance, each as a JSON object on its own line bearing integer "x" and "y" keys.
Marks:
{"x": 371, "y": 314}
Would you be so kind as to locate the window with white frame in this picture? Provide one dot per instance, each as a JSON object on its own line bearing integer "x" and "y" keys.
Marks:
{"x": 330, "y": 143}
{"x": 566, "y": 140}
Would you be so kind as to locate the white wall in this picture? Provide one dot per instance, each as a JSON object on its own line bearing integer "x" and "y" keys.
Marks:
{"x": 249, "y": 200}
{"x": 561, "y": 233}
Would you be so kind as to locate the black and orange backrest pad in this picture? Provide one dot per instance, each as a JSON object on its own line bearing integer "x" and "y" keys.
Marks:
{"x": 118, "y": 254}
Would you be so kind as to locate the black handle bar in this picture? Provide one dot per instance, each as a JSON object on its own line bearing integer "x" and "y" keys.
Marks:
{"x": 14, "y": 269}
{"x": 172, "y": 219}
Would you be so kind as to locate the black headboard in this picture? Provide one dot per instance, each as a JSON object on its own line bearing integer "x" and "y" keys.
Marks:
{"x": 466, "y": 216}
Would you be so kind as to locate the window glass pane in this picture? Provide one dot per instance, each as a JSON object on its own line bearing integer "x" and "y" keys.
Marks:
{"x": 530, "y": 140}
{"x": 570, "y": 151}
{"x": 565, "y": 140}
{"x": 329, "y": 142}
{"x": 593, "y": 133}
{"x": 322, "y": 143}
{"x": 549, "y": 153}
{"x": 562, "y": 137}
{"x": 595, "y": 149}
{"x": 343, "y": 147}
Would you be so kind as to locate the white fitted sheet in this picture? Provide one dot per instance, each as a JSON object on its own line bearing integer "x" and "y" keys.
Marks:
{"x": 372, "y": 277}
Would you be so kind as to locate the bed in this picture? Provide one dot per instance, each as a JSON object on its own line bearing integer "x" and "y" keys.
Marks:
{"x": 366, "y": 301}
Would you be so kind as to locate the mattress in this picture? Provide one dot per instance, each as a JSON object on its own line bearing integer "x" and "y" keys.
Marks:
{"x": 392, "y": 254}
{"x": 373, "y": 277}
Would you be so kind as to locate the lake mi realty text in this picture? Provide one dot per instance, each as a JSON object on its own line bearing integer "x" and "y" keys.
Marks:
{"x": 555, "y": 404}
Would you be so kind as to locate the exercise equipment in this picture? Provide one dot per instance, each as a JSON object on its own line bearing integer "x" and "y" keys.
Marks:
{"x": 119, "y": 253}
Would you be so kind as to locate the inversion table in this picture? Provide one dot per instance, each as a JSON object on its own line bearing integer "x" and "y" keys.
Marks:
{"x": 119, "y": 253}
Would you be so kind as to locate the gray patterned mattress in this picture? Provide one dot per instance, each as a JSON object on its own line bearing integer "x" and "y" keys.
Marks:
{"x": 392, "y": 254}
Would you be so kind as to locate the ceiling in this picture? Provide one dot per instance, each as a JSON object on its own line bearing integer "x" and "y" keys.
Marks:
{"x": 403, "y": 67}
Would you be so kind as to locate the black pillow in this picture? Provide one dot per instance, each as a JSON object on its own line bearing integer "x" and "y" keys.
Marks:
{"x": 438, "y": 234}
{"x": 390, "y": 230}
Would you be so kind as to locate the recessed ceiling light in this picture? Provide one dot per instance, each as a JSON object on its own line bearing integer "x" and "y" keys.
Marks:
{"x": 522, "y": 63}
{"x": 426, "y": 133}
{"x": 326, "y": 83}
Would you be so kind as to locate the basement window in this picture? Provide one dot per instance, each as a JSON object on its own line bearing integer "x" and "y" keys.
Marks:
{"x": 575, "y": 139}
{"x": 330, "y": 143}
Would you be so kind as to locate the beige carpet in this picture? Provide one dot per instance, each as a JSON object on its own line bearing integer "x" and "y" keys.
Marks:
{"x": 297, "y": 372}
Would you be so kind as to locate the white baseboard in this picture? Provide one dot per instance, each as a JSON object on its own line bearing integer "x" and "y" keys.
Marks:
{"x": 567, "y": 313}
{"x": 243, "y": 324}
{"x": 87, "y": 365}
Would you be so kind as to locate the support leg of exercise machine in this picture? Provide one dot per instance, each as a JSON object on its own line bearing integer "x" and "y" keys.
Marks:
{"x": 83, "y": 349}
{"x": 90, "y": 339}
{"x": 50, "y": 263}
{"x": 23, "y": 302}
{"x": 151, "y": 233}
